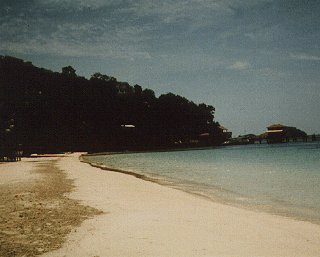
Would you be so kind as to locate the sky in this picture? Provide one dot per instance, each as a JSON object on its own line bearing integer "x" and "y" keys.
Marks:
{"x": 256, "y": 61}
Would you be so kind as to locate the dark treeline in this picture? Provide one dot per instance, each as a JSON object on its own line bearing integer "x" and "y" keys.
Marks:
{"x": 45, "y": 111}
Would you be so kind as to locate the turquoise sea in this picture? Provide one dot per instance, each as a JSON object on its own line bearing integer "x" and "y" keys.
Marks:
{"x": 282, "y": 178}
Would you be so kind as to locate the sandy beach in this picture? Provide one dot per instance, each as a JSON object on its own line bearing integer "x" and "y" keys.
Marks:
{"x": 59, "y": 206}
{"x": 35, "y": 213}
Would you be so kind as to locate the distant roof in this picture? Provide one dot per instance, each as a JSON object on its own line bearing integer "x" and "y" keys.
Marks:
{"x": 276, "y": 126}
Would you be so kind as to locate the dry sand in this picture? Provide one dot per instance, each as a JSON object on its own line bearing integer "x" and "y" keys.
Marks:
{"x": 35, "y": 214}
{"x": 142, "y": 218}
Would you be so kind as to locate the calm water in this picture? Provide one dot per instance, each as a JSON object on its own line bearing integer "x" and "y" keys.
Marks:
{"x": 282, "y": 179}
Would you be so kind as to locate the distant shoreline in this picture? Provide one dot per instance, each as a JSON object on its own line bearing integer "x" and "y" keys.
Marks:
{"x": 152, "y": 151}
{"x": 191, "y": 148}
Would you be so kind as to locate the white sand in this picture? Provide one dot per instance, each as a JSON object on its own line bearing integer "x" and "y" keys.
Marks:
{"x": 16, "y": 172}
{"x": 146, "y": 219}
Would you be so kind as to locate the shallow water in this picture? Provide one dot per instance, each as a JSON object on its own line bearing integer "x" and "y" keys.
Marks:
{"x": 282, "y": 179}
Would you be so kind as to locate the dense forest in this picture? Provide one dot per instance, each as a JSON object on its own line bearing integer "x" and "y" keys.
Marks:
{"x": 44, "y": 111}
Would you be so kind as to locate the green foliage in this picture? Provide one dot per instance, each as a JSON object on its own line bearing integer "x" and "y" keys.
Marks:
{"x": 69, "y": 71}
{"x": 64, "y": 112}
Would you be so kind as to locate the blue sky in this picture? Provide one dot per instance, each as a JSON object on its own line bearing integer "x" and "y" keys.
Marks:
{"x": 256, "y": 61}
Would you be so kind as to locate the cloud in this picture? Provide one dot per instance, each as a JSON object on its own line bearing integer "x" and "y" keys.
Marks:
{"x": 46, "y": 31}
{"x": 191, "y": 14}
{"x": 79, "y": 4}
{"x": 69, "y": 39}
{"x": 306, "y": 57}
{"x": 239, "y": 65}
{"x": 67, "y": 48}
{"x": 137, "y": 28}
{"x": 136, "y": 24}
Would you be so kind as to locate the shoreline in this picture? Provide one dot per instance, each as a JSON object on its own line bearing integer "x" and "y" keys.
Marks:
{"x": 278, "y": 210}
{"x": 134, "y": 217}
{"x": 143, "y": 218}
{"x": 154, "y": 150}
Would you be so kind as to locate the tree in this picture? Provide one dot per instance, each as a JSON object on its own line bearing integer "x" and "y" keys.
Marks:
{"x": 69, "y": 71}
{"x": 148, "y": 95}
{"x": 137, "y": 90}
{"x": 99, "y": 76}
{"x": 64, "y": 112}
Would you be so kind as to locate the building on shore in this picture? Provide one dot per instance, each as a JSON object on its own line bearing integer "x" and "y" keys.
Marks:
{"x": 225, "y": 133}
{"x": 278, "y": 133}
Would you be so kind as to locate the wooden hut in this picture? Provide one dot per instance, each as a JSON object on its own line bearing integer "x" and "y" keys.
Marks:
{"x": 278, "y": 133}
